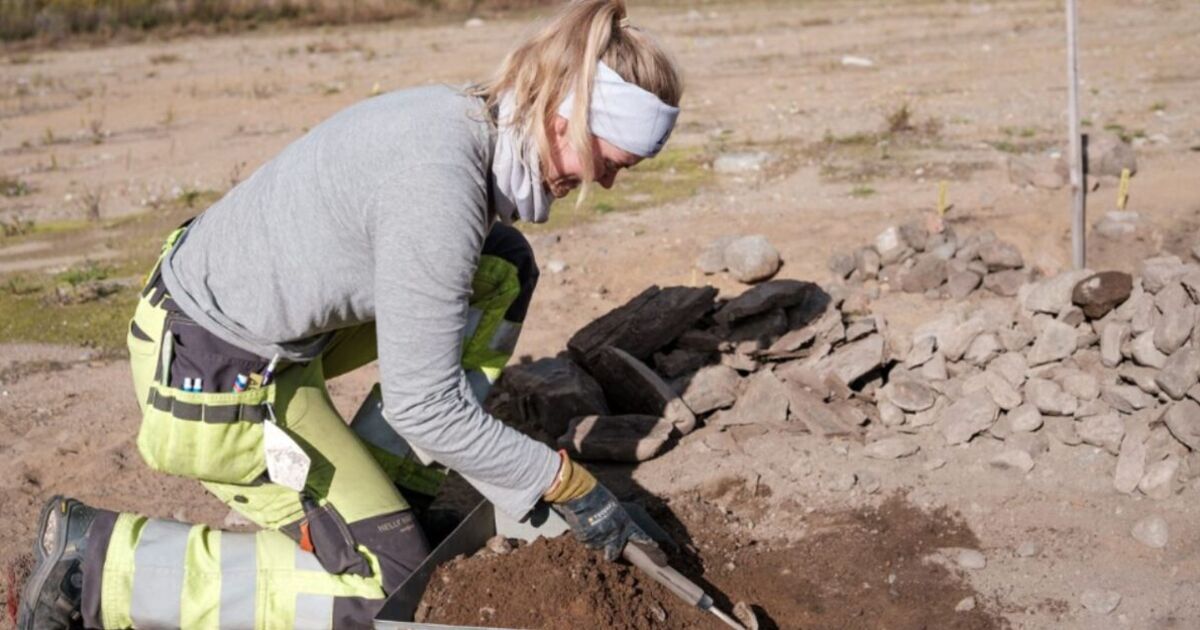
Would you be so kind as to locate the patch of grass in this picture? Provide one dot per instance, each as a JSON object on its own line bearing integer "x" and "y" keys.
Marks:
{"x": 1126, "y": 135}
{"x": 862, "y": 192}
{"x": 1019, "y": 132}
{"x": 193, "y": 197}
{"x": 99, "y": 324}
{"x": 16, "y": 226}
{"x": 900, "y": 120}
{"x": 86, "y": 271}
{"x": 19, "y": 285}
{"x": 164, "y": 58}
{"x": 1005, "y": 146}
{"x": 1158, "y": 106}
{"x": 13, "y": 187}
{"x": 677, "y": 173}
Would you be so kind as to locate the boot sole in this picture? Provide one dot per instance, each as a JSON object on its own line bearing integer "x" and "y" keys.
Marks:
{"x": 37, "y": 580}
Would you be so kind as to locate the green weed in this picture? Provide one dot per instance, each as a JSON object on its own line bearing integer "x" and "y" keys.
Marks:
{"x": 86, "y": 271}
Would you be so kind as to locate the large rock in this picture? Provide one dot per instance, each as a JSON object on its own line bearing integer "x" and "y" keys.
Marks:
{"x": 1012, "y": 366}
{"x": 810, "y": 410}
{"x": 955, "y": 343}
{"x": 1079, "y": 384}
{"x": 1158, "y": 272}
{"x": 712, "y": 259}
{"x": 1131, "y": 457}
{"x": 867, "y": 263}
{"x": 929, "y": 272}
{"x": 1112, "y": 338}
{"x": 842, "y": 265}
{"x": 1006, "y": 283}
{"x": 1053, "y": 295}
{"x": 1125, "y": 398}
{"x": 769, "y": 296}
{"x": 1049, "y": 398}
{"x": 629, "y": 438}
{"x": 1000, "y": 255}
{"x": 646, "y": 323}
{"x": 967, "y": 417}
{"x": 631, "y": 387}
{"x": 1183, "y": 420}
{"x": 1025, "y": 419}
{"x": 1102, "y": 292}
{"x": 1174, "y": 328}
{"x": 1180, "y": 373}
{"x": 1151, "y": 531}
{"x": 752, "y": 259}
{"x": 854, "y": 360}
{"x": 890, "y": 245}
{"x": 1105, "y": 431}
{"x": 713, "y": 387}
{"x": 1145, "y": 352}
{"x": 910, "y": 395}
{"x": 1160, "y": 479}
{"x": 1002, "y": 392}
{"x": 1056, "y": 342}
{"x": 983, "y": 349}
{"x": 960, "y": 284}
{"x": 764, "y": 401}
{"x": 552, "y": 392}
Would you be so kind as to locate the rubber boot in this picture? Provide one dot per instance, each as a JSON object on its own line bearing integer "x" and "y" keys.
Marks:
{"x": 51, "y": 597}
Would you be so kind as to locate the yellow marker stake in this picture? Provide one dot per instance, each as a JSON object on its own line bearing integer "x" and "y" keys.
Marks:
{"x": 1123, "y": 189}
{"x": 943, "y": 188}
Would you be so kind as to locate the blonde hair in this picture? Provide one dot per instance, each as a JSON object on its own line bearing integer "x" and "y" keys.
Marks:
{"x": 562, "y": 57}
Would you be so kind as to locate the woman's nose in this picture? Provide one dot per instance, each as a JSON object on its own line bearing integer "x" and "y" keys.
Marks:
{"x": 608, "y": 180}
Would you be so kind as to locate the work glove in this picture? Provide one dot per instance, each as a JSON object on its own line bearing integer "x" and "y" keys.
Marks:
{"x": 594, "y": 514}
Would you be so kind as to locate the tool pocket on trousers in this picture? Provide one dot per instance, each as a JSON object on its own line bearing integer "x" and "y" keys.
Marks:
{"x": 210, "y": 435}
{"x": 325, "y": 534}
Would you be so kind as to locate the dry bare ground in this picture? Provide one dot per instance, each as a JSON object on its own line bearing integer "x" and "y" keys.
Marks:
{"x": 129, "y": 131}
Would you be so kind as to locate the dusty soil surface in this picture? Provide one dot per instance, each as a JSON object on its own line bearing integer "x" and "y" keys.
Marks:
{"x": 156, "y": 121}
{"x": 880, "y": 567}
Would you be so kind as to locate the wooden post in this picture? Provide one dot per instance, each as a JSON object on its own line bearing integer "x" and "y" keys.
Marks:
{"x": 1078, "y": 190}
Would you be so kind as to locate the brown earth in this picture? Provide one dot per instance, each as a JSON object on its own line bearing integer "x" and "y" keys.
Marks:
{"x": 869, "y": 567}
{"x": 150, "y": 122}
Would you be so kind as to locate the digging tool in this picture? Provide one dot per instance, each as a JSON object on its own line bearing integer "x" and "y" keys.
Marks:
{"x": 683, "y": 588}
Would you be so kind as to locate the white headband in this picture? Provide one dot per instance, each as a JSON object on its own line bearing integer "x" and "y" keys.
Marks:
{"x": 626, "y": 115}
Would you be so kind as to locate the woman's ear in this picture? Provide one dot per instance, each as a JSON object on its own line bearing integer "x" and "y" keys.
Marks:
{"x": 559, "y": 127}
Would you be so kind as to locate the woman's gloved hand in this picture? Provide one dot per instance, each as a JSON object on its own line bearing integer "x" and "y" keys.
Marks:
{"x": 594, "y": 514}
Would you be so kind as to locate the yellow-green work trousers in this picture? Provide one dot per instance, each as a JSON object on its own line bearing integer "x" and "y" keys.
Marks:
{"x": 326, "y": 557}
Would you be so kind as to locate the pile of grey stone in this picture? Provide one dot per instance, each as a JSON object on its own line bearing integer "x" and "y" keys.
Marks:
{"x": 783, "y": 355}
{"x": 1103, "y": 360}
{"x": 1081, "y": 358}
{"x": 914, "y": 259}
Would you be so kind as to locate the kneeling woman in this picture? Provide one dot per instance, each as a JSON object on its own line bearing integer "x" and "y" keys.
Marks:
{"x": 381, "y": 234}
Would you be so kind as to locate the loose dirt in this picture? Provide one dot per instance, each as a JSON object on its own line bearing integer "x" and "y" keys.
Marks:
{"x": 870, "y": 567}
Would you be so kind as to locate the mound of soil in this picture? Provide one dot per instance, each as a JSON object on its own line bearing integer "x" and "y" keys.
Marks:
{"x": 552, "y": 584}
{"x": 862, "y": 568}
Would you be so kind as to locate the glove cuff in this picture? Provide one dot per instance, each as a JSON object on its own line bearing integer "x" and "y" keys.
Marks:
{"x": 573, "y": 481}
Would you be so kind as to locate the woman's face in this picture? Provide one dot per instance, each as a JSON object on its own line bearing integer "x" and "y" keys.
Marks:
{"x": 565, "y": 171}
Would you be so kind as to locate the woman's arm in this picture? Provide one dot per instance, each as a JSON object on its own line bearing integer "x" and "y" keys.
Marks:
{"x": 429, "y": 227}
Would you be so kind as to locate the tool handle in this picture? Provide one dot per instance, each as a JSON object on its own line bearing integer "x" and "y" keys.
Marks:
{"x": 682, "y": 587}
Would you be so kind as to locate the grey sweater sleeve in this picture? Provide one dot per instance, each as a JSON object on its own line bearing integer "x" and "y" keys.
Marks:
{"x": 424, "y": 264}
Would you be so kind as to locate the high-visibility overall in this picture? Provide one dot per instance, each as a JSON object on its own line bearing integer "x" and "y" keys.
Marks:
{"x": 326, "y": 557}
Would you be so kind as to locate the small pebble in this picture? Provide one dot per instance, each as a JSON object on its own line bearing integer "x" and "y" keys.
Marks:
{"x": 868, "y": 482}
{"x": 1028, "y": 549}
{"x": 499, "y": 545}
{"x": 745, "y": 614}
{"x": 966, "y": 605}
{"x": 1099, "y": 601}
{"x": 971, "y": 559}
{"x": 658, "y": 613}
{"x": 1151, "y": 531}
{"x": 556, "y": 266}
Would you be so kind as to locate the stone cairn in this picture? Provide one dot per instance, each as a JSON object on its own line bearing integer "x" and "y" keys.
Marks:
{"x": 1082, "y": 358}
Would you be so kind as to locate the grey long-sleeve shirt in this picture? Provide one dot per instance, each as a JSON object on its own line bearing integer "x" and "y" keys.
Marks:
{"x": 377, "y": 214}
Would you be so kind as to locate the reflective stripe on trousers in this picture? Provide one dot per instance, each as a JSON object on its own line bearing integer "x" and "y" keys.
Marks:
{"x": 164, "y": 574}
